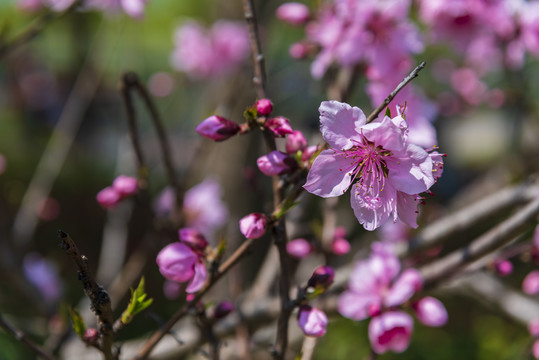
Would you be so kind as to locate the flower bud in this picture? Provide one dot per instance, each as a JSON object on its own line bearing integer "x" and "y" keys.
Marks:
{"x": 308, "y": 152}
{"x": 193, "y": 238}
{"x": 321, "y": 278}
{"x": 125, "y": 185}
{"x": 176, "y": 262}
{"x": 530, "y": 285}
{"x": 533, "y": 327}
{"x": 279, "y": 126}
{"x": 91, "y": 335}
{"x": 299, "y": 248}
{"x": 217, "y": 128}
{"x": 431, "y": 311}
{"x": 223, "y": 309}
{"x": 253, "y": 225}
{"x": 264, "y": 107}
{"x": 276, "y": 163}
{"x": 108, "y": 198}
{"x": 298, "y": 50}
{"x": 503, "y": 267}
{"x": 293, "y": 13}
{"x": 295, "y": 141}
{"x": 312, "y": 321}
{"x": 340, "y": 246}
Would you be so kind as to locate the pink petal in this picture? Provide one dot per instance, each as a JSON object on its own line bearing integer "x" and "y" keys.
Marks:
{"x": 356, "y": 306}
{"x": 407, "y": 208}
{"x": 312, "y": 321}
{"x": 413, "y": 173}
{"x": 134, "y": 8}
{"x": 198, "y": 279}
{"x": 391, "y": 331}
{"x": 404, "y": 288}
{"x": 299, "y": 248}
{"x": 431, "y": 312}
{"x": 530, "y": 285}
{"x": 372, "y": 212}
{"x": 385, "y": 133}
{"x": 340, "y": 123}
{"x": 327, "y": 177}
{"x": 176, "y": 262}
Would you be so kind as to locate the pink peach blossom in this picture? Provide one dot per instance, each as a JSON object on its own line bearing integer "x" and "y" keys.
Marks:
{"x": 430, "y": 311}
{"x": 391, "y": 331}
{"x": 253, "y": 225}
{"x": 312, "y": 321}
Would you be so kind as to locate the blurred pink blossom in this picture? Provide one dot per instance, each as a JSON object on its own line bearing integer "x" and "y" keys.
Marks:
{"x": 108, "y": 198}
{"x": 293, "y": 13}
{"x": 43, "y": 274}
{"x": 279, "y": 126}
{"x": 203, "y": 54}
{"x": 125, "y": 185}
{"x": 178, "y": 262}
{"x": 503, "y": 267}
{"x": 391, "y": 331}
{"x": 530, "y": 285}
{"x": 299, "y": 248}
{"x": 161, "y": 84}
{"x": 276, "y": 163}
{"x": 312, "y": 321}
{"x": 295, "y": 142}
{"x": 430, "y": 312}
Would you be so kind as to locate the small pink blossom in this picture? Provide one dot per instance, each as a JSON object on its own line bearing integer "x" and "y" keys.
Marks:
{"x": 264, "y": 107}
{"x": 299, "y": 248}
{"x": 217, "y": 128}
{"x": 375, "y": 282}
{"x": 391, "y": 331}
{"x": 340, "y": 246}
{"x": 293, "y": 13}
{"x": 295, "y": 142}
{"x": 43, "y": 274}
{"x": 203, "y": 54}
{"x": 298, "y": 50}
{"x": 430, "y": 311}
{"x": 385, "y": 172}
{"x": 276, "y": 163}
{"x": 503, "y": 267}
{"x": 253, "y": 225}
{"x": 312, "y": 321}
{"x": 108, "y": 198}
{"x": 178, "y": 262}
{"x": 279, "y": 126}
{"x": 125, "y": 185}
{"x": 533, "y": 327}
{"x": 530, "y": 285}
{"x": 91, "y": 335}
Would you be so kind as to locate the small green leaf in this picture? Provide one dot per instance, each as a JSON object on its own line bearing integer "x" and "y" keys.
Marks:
{"x": 78, "y": 322}
{"x": 283, "y": 209}
{"x": 388, "y": 112}
{"x": 250, "y": 114}
{"x": 137, "y": 303}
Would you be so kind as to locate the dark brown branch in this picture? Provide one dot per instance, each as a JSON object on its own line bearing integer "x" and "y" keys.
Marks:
{"x": 394, "y": 93}
{"x": 258, "y": 58}
{"x": 20, "y": 336}
{"x": 504, "y": 232}
{"x": 99, "y": 299}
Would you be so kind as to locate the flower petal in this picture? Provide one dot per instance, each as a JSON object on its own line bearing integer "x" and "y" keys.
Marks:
{"x": 328, "y": 176}
{"x": 391, "y": 331}
{"x": 371, "y": 212}
{"x": 339, "y": 123}
{"x": 385, "y": 133}
{"x": 407, "y": 208}
{"x": 412, "y": 174}
{"x": 198, "y": 279}
{"x": 176, "y": 262}
{"x": 356, "y": 306}
{"x": 431, "y": 312}
{"x": 404, "y": 288}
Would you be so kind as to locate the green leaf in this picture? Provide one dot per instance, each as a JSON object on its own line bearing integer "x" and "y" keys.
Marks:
{"x": 388, "y": 112}
{"x": 137, "y": 303}
{"x": 78, "y": 323}
{"x": 287, "y": 205}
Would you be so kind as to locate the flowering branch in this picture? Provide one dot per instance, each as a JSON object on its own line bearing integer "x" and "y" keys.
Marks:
{"x": 99, "y": 299}
{"x": 394, "y": 93}
{"x": 20, "y": 336}
{"x": 496, "y": 237}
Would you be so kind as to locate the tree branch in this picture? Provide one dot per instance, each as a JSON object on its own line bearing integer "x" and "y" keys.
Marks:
{"x": 20, "y": 336}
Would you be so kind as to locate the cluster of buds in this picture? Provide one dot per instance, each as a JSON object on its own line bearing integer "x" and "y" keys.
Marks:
{"x": 183, "y": 261}
{"x": 313, "y": 321}
{"x": 300, "y": 248}
{"x": 123, "y": 186}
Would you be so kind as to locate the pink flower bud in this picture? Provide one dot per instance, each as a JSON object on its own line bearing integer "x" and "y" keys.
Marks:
{"x": 295, "y": 142}
{"x": 276, "y": 163}
{"x": 176, "y": 262}
{"x": 530, "y": 285}
{"x": 223, "y": 309}
{"x": 309, "y": 152}
{"x": 391, "y": 331}
{"x": 253, "y": 225}
{"x": 503, "y": 267}
{"x": 108, "y": 198}
{"x": 91, "y": 335}
{"x": 264, "y": 107}
{"x": 293, "y": 13}
{"x": 193, "y": 238}
{"x": 299, "y": 248}
{"x": 298, "y": 50}
{"x": 125, "y": 185}
{"x": 279, "y": 126}
{"x": 340, "y": 246}
{"x": 431, "y": 312}
{"x": 321, "y": 278}
{"x": 217, "y": 128}
{"x": 339, "y": 232}
{"x": 312, "y": 321}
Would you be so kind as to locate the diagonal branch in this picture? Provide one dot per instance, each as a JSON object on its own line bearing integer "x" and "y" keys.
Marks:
{"x": 19, "y": 335}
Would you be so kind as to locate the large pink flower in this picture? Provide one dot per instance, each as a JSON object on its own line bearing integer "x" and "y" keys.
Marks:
{"x": 391, "y": 331}
{"x": 385, "y": 172}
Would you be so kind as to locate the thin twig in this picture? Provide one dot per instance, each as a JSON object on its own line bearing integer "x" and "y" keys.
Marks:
{"x": 394, "y": 93}
{"x": 20, "y": 336}
{"x": 447, "y": 266}
{"x": 99, "y": 299}
{"x": 259, "y": 78}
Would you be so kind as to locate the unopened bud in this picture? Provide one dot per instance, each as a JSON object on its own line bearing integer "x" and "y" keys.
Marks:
{"x": 264, "y": 107}
{"x": 91, "y": 335}
{"x": 321, "y": 278}
{"x": 223, "y": 309}
{"x": 253, "y": 225}
{"x": 217, "y": 128}
{"x": 108, "y": 198}
{"x": 293, "y": 13}
{"x": 276, "y": 163}
{"x": 279, "y": 126}
{"x": 125, "y": 185}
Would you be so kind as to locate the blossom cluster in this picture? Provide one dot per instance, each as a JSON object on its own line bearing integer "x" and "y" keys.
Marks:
{"x": 123, "y": 186}
{"x": 133, "y": 8}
